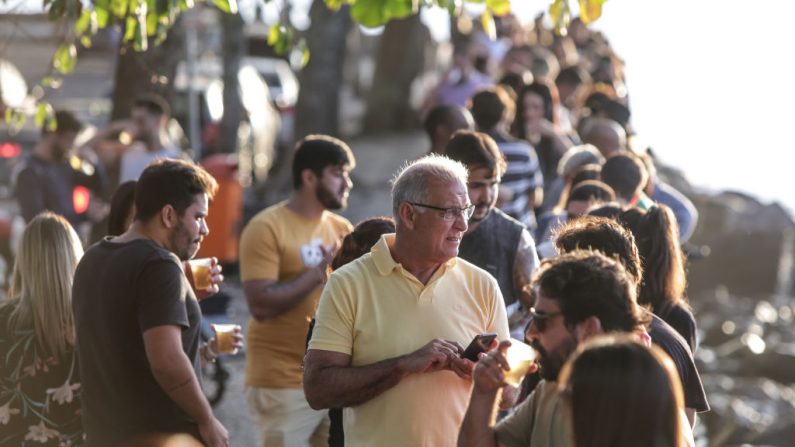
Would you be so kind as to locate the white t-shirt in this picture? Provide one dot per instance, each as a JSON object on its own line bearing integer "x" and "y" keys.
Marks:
{"x": 137, "y": 157}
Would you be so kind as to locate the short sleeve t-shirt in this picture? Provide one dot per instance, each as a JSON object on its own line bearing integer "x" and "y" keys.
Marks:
{"x": 121, "y": 290}
{"x": 681, "y": 319}
{"x": 137, "y": 157}
{"x": 373, "y": 309}
{"x": 279, "y": 244}
{"x": 538, "y": 421}
{"x": 676, "y": 347}
{"x": 541, "y": 421}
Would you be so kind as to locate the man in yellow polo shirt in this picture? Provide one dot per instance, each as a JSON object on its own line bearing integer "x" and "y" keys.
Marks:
{"x": 284, "y": 254}
{"x": 391, "y": 325}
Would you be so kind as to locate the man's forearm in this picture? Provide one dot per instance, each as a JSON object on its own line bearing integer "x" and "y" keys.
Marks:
{"x": 347, "y": 386}
{"x": 476, "y": 429}
{"x": 275, "y": 299}
{"x": 179, "y": 381}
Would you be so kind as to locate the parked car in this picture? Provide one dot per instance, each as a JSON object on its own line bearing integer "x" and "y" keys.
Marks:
{"x": 283, "y": 87}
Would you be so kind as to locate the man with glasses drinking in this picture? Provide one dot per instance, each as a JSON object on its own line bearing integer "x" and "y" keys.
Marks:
{"x": 577, "y": 296}
{"x": 391, "y": 326}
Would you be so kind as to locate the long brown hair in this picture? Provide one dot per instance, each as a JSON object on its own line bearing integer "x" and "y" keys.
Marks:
{"x": 621, "y": 393}
{"x": 657, "y": 237}
{"x": 41, "y": 285}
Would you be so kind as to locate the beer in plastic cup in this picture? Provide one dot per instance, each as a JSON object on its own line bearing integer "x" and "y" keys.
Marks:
{"x": 225, "y": 337}
{"x": 519, "y": 356}
{"x": 200, "y": 270}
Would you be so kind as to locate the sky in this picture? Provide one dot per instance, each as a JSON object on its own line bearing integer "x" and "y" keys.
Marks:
{"x": 711, "y": 88}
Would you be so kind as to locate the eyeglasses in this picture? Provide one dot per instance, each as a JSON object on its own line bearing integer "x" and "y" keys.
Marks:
{"x": 451, "y": 213}
{"x": 541, "y": 319}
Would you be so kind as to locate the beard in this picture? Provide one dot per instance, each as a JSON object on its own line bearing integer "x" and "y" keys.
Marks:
{"x": 327, "y": 198}
{"x": 552, "y": 362}
{"x": 479, "y": 208}
{"x": 181, "y": 243}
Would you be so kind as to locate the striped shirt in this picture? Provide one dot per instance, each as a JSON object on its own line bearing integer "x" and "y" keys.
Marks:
{"x": 522, "y": 176}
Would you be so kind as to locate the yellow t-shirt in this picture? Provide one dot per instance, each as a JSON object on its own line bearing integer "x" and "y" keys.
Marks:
{"x": 279, "y": 244}
{"x": 372, "y": 309}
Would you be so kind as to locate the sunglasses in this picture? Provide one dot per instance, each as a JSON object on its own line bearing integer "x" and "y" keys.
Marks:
{"x": 540, "y": 319}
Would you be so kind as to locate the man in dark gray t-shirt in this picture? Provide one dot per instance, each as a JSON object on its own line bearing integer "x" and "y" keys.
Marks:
{"x": 137, "y": 317}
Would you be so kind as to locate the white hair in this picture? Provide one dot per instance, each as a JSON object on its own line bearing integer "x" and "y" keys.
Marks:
{"x": 410, "y": 184}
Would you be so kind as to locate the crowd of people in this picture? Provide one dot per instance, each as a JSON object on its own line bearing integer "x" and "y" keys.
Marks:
{"x": 533, "y": 219}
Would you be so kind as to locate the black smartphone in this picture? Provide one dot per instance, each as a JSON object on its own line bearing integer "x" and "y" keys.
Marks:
{"x": 479, "y": 344}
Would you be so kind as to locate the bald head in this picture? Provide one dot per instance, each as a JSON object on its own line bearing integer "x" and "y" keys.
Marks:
{"x": 443, "y": 121}
{"x": 607, "y": 135}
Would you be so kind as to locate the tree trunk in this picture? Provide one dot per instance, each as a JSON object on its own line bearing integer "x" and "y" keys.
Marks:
{"x": 234, "y": 49}
{"x": 401, "y": 58}
{"x": 150, "y": 71}
{"x": 317, "y": 110}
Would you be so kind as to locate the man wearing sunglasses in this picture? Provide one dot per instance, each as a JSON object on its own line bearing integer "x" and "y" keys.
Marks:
{"x": 494, "y": 241}
{"x": 607, "y": 236}
{"x": 578, "y": 295}
{"x": 391, "y": 325}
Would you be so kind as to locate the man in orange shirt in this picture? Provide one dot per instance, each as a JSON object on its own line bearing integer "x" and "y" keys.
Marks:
{"x": 284, "y": 254}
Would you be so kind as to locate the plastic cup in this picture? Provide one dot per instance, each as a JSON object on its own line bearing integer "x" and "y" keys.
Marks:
{"x": 225, "y": 337}
{"x": 200, "y": 270}
{"x": 519, "y": 356}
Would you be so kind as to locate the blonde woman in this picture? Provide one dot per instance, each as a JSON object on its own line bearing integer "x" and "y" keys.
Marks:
{"x": 39, "y": 381}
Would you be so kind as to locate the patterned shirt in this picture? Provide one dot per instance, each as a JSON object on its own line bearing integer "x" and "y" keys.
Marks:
{"x": 39, "y": 395}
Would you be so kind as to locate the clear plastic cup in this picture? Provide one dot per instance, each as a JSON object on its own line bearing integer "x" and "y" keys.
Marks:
{"x": 519, "y": 356}
{"x": 225, "y": 337}
{"x": 201, "y": 270}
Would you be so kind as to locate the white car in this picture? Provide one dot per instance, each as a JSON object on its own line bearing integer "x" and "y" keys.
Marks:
{"x": 283, "y": 87}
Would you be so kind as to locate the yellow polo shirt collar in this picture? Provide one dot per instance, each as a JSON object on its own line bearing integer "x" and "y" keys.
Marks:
{"x": 385, "y": 263}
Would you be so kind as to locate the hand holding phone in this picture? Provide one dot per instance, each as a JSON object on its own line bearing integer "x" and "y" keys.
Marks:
{"x": 480, "y": 343}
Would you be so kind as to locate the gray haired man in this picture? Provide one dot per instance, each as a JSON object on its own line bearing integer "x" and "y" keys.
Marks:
{"x": 392, "y": 324}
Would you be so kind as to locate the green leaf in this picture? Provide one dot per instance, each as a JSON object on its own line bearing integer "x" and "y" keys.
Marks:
{"x": 375, "y": 13}
{"x": 399, "y": 9}
{"x": 73, "y": 8}
{"x": 44, "y": 114}
{"x": 590, "y": 10}
{"x": 52, "y": 82}
{"x": 65, "y": 58}
{"x": 130, "y": 28}
{"x": 335, "y": 5}
{"x": 15, "y": 119}
{"x": 227, "y": 6}
{"x": 370, "y": 13}
{"x": 103, "y": 16}
{"x": 560, "y": 14}
{"x": 119, "y": 8}
{"x": 488, "y": 25}
{"x": 304, "y": 52}
{"x": 273, "y": 34}
{"x": 57, "y": 9}
{"x": 87, "y": 23}
{"x": 499, "y": 7}
{"x": 151, "y": 23}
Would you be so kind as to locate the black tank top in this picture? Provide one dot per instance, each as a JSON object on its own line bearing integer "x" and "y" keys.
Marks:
{"x": 492, "y": 247}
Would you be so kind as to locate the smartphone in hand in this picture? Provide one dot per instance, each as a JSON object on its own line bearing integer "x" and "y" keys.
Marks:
{"x": 479, "y": 344}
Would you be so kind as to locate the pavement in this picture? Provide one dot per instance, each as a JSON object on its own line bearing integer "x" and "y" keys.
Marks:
{"x": 377, "y": 159}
